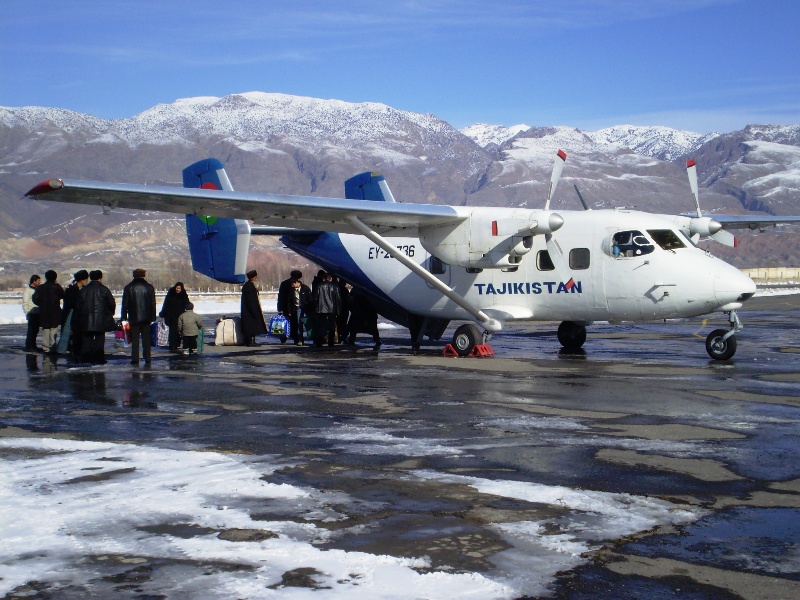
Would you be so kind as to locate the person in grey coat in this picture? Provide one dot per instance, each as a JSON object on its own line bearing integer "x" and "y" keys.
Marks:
{"x": 328, "y": 308}
{"x": 189, "y": 326}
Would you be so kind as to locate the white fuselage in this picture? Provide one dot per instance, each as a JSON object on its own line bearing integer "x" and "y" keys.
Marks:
{"x": 590, "y": 279}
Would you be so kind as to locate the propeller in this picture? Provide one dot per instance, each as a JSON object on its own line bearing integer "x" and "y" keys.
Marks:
{"x": 704, "y": 225}
{"x": 553, "y": 247}
{"x": 558, "y": 166}
{"x": 691, "y": 171}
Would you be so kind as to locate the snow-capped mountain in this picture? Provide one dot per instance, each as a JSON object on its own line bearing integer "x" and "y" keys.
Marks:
{"x": 660, "y": 142}
{"x": 485, "y": 134}
{"x": 298, "y": 145}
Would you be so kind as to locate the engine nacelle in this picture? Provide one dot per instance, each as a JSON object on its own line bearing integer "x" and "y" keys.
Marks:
{"x": 704, "y": 226}
{"x": 489, "y": 238}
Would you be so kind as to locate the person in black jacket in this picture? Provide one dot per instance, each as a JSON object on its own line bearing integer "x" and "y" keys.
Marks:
{"x": 174, "y": 304}
{"x": 139, "y": 309}
{"x": 363, "y": 318}
{"x": 68, "y": 321}
{"x": 31, "y": 314}
{"x": 293, "y": 297}
{"x": 253, "y": 322}
{"x": 95, "y": 311}
{"x": 48, "y": 298}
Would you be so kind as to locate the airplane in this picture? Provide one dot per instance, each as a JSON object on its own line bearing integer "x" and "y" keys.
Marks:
{"x": 425, "y": 265}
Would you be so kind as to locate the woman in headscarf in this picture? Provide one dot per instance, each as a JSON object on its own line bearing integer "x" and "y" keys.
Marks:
{"x": 174, "y": 305}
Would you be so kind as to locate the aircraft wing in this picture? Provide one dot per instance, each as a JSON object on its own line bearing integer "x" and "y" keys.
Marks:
{"x": 296, "y": 212}
{"x": 751, "y": 221}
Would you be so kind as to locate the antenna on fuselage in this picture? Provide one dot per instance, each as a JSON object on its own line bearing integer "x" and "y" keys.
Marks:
{"x": 558, "y": 166}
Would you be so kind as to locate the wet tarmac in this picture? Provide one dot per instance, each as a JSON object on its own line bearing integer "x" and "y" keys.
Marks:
{"x": 637, "y": 468}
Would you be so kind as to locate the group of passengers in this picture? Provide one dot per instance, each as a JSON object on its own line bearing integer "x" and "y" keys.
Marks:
{"x": 75, "y": 321}
{"x": 328, "y": 312}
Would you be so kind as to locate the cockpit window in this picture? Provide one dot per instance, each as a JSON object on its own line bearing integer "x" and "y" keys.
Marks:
{"x": 630, "y": 243}
{"x": 666, "y": 238}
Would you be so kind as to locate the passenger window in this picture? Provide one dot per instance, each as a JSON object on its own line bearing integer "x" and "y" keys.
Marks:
{"x": 630, "y": 243}
{"x": 666, "y": 238}
{"x": 579, "y": 258}
{"x": 436, "y": 266}
{"x": 544, "y": 262}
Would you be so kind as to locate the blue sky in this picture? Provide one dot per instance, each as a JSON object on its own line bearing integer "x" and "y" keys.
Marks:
{"x": 701, "y": 65}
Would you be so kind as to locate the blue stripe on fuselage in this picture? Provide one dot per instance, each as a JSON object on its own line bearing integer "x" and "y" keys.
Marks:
{"x": 326, "y": 250}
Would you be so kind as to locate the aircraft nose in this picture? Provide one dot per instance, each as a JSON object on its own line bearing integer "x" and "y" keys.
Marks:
{"x": 731, "y": 285}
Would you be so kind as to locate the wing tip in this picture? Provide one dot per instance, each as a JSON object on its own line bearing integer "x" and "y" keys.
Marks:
{"x": 45, "y": 186}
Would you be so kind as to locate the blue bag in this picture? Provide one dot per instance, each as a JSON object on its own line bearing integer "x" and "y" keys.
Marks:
{"x": 279, "y": 326}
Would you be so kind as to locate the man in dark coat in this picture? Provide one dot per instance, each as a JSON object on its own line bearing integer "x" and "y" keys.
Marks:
{"x": 139, "y": 309}
{"x": 328, "y": 307}
{"x": 69, "y": 324}
{"x": 363, "y": 318}
{"x": 31, "y": 314}
{"x": 253, "y": 322}
{"x": 48, "y": 298}
{"x": 95, "y": 311}
{"x": 293, "y": 295}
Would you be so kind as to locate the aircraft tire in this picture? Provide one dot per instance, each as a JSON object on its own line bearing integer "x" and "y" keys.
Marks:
{"x": 571, "y": 335}
{"x": 466, "y": 338}
{"x": 718, "y": 349}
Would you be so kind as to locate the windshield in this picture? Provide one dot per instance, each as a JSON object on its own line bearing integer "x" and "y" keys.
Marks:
{"x": 666, "y": 238}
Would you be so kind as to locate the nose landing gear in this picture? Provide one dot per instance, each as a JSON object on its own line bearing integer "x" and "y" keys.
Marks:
{"x": 571, "y": 335}
{"x": 721, "y": 344}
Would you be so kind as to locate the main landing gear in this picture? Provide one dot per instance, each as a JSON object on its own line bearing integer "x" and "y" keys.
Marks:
{"x": 721, "y": 344}
{"x": 467, "y": 337}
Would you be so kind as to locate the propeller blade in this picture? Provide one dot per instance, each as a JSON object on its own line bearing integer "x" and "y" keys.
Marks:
{"x": 726, "y": 238}
{"x": 691, "y": 171}
{"x": 558, "y": 166}
{"x": 580, "y": 197}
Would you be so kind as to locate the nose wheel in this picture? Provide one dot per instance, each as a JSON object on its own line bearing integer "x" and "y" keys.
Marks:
{"x": 571, "y": 335}
{"x": 721, "y": 343}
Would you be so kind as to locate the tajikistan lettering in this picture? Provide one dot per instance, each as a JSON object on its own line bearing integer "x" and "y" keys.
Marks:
{"x": 528, "y": 287}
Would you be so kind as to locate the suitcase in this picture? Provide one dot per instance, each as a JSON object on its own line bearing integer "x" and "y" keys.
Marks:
{"x": 228, "y": 332}
{"x": 159, "y": 333}
{"x": 279, "y": 326}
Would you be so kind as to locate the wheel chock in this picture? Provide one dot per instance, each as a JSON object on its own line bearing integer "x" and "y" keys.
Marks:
{"x": 449, "y": 351}
{"x": 478, "y": 351}
{"x": 482, "y": 350}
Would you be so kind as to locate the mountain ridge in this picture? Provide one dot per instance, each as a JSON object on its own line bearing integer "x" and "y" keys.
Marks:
{"x": 299, "y": 145}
